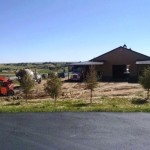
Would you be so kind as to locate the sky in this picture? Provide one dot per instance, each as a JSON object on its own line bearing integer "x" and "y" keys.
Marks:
{"x": 71, "y": 30}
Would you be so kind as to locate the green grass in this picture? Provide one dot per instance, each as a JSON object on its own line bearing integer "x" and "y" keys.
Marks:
{"x": 40, "y": 67}
{"x": 101, "y": 105}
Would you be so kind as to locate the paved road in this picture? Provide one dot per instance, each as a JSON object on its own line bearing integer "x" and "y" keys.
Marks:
{"x": 75, "y": 131}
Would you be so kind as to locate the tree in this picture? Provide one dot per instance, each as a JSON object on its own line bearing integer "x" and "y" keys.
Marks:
{"x": 144, "y": 80}
{"x": 53, "y": 87}
{"x": 27, "y": 84}
{"x": 91, "y": 81}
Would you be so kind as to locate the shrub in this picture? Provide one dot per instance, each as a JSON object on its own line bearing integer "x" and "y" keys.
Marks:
{"x": 27, "y": 84}
{"x": 53, "y": 87}
{"x": 144, "y": 80}
{"x": 91, "y": 81}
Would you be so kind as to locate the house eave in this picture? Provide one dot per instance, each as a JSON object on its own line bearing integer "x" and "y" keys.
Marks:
{"x": 86, "y": 63}
{"x": 146, "y": 62}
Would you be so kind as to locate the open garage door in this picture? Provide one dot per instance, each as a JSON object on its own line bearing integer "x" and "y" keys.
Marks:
{"x": 119, "y": 72}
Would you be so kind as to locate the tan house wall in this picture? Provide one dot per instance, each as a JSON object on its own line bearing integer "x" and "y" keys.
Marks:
{"x": 119, "y": 56}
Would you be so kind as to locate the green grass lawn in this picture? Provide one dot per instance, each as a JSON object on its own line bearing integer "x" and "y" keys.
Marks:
{"x": 101, "y": 105}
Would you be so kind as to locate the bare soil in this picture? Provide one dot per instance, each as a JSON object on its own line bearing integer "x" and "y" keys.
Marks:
{"x": 104, "y": 89}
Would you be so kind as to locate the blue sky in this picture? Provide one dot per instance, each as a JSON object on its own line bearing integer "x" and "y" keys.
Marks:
{"x": 71, "y": 30}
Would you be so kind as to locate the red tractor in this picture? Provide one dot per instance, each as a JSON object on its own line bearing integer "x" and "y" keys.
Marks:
{"x": 6, "y": 86}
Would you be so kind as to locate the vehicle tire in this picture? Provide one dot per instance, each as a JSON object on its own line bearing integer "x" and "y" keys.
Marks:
{"x": 10, "y": 93}
{"x": 39, "y": 81}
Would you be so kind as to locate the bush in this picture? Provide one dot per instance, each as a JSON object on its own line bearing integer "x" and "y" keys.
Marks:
{"x": 144, "y": 80}
{"x": 91, "y": 81}
{"x": 53, "y": 87}
{"x": 27, "y": 84}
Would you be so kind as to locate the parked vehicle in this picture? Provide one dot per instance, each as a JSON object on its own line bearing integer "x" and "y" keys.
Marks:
{"x": 34, "y": 75}
{"x": 75, "y": 76}
{"x": 6, "y": 86}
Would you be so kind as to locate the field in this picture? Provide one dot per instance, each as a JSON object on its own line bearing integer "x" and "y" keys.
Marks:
{"x": 108, "y": 96}
{"x": 104, "y": 89}
{"x": 75, "y": 90}
{"x": 72, "y": 90}
{"x": 115, "y": 97}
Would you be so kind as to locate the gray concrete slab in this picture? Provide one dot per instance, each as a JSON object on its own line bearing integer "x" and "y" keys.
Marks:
{"x": 75, "y": 131}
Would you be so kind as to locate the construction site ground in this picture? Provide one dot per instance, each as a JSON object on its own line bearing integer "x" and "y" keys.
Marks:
{"x": 77, "y": 90}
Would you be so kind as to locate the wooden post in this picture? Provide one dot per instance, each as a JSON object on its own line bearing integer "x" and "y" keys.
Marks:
{"x": 68, "y": 72}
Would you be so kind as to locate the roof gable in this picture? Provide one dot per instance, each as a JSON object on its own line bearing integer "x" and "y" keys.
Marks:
{"x": 121, "y": 52}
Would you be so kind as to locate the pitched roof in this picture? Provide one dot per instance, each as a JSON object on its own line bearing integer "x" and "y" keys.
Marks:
{"x": 120, "y": 47}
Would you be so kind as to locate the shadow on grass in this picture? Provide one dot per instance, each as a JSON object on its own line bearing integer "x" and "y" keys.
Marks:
{"x": 81, "y": 105}
{"x": 139, "y": 101}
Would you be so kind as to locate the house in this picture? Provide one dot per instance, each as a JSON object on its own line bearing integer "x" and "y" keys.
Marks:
{"x": 119, "y": 64}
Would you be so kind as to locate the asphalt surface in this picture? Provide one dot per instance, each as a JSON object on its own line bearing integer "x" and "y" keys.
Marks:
{"x": 75, "y": 131}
